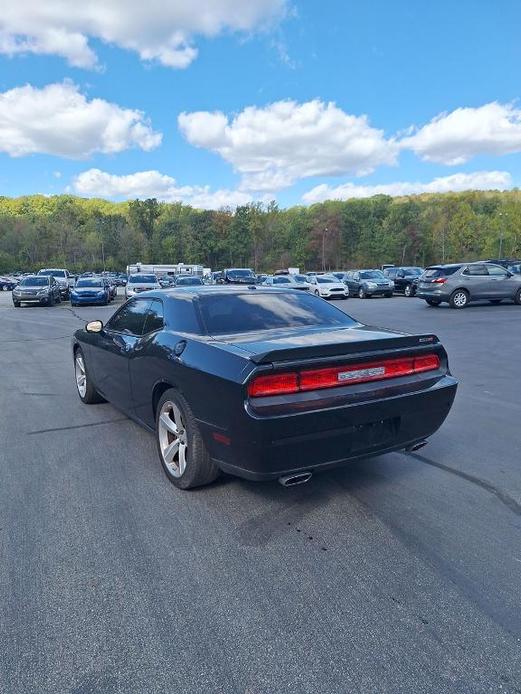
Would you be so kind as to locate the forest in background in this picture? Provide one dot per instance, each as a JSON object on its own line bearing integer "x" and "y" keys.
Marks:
{"x": 84, "y": 234}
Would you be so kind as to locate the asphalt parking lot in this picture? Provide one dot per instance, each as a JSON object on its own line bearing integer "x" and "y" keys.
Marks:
{"x": 396, "y": 574}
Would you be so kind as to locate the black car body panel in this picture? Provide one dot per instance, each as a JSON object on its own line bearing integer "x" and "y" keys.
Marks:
{"x": 405, "y": 278}
{"x": 266, "y": 437}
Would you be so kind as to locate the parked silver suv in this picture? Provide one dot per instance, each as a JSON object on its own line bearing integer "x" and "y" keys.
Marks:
{"x": 461, "y": 283}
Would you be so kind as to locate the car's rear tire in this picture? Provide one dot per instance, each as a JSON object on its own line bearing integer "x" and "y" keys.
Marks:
{"x": 86, "y": 390}
{"x": 408, "y": 290}
{"x": 181, "y": 448}
{"x": 361, "y": 293}
{"x": 495, "y": 301}
{"x": 433, "y": 302}
{"x": 459, "y": 299}
{"x": 517, "y": 297}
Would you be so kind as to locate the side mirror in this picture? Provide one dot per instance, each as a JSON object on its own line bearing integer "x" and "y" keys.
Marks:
{"x": 94, "y": 326}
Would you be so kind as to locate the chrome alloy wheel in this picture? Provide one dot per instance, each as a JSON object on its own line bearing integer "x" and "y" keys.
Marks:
{"x": 460, "y": 299}
{"x": 172, "y": 439}
{"x": 81, "y": 376}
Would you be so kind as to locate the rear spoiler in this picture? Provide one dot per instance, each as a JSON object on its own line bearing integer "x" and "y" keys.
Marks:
{"x": 346, "y": 349}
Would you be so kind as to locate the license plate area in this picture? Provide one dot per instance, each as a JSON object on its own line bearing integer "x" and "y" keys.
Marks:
{"x": 374, "y": 433}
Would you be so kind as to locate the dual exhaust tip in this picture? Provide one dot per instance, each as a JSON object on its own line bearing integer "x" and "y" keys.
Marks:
{"x": 303, "y": 477}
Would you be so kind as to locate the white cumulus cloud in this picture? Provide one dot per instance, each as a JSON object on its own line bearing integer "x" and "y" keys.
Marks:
{"x": 58, "y": 119}
{"x": 160, "y": 30}
{"x": 274, "y": 146}
{"x": 454, "y": 138}
{"x": 153, "y": 184}
{"x": 479, "y": 180}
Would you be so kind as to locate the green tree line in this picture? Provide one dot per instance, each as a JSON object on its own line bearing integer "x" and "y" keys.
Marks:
{"x": 81, "y": 234}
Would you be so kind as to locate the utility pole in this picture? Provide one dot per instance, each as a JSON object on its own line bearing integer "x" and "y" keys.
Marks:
{"x": 501, "y": 233}
{"x": 324, "y": 248}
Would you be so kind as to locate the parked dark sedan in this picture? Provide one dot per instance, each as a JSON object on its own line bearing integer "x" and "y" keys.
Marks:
{"x": 7, "y": 284}
{"x": 405, "y": 279}
{"x": 262, "y": 383}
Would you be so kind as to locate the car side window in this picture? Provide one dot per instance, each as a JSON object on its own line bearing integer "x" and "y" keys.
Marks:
{"x": 356, "y": 276}
{"x": 496, "y": 271}
{"x": 476, "y": 270}
{"x": 130, "y": 319}
{"x": 154, "y": 318}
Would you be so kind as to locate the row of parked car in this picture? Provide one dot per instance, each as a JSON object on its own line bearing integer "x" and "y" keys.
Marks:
{"x": 45, "y": 289}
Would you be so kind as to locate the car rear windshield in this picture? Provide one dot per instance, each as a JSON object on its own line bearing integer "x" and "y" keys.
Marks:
{"x": 441, "y": 271}
{"x": 225, "y": 314}
{"x": 142, "y": 279}
{"x": 54, "y": 273}
{"x": 90, "y": 282}
{"x": 34, "y": 282}
{"x": 372, "y": 275}
{"x": 412, "y": 271}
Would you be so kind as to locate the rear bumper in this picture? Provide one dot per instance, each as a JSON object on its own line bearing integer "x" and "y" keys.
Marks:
{"x": 438, "y": 294}
{"x": 266, "y": 448}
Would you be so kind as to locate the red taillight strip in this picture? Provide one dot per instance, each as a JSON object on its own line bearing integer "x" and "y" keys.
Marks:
{"x": 347, "y": 374}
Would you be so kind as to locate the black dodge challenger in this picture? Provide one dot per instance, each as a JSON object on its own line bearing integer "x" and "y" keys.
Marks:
{"x": 261, "y": 383}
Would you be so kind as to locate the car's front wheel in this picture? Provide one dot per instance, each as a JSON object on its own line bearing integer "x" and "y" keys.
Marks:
{"x": 181, "y": 448}
{"x": 517, "y": 297}
{"x": 86, "y": 390}
{"x": 408, "y": 291}
{"x": 361, "y": 293}
{"x": 459, "y": 299}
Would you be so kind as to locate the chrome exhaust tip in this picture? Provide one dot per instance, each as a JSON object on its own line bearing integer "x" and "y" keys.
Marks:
{"x": 293, "y": 480}
{"x": 416, "y": 446}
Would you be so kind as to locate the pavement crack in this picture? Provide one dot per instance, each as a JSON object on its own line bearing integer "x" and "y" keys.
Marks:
{"x": 505, "y": 498}
{"x": 78, "y": 426}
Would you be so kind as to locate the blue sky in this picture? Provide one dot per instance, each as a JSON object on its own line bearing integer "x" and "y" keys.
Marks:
{"x": 399, "y": 64}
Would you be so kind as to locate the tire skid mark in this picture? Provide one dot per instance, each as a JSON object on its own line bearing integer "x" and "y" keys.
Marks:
{"x": 78, "y": 426}
{"x": 505, "y": 498}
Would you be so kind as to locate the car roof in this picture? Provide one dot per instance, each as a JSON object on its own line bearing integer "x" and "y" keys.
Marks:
{"x": 197, "y": 290}
{"x": 443, "y": 265}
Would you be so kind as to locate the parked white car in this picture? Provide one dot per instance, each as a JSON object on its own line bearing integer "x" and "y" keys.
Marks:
{"x": 328, "y": 287}
{"x": 140, "y": 283}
